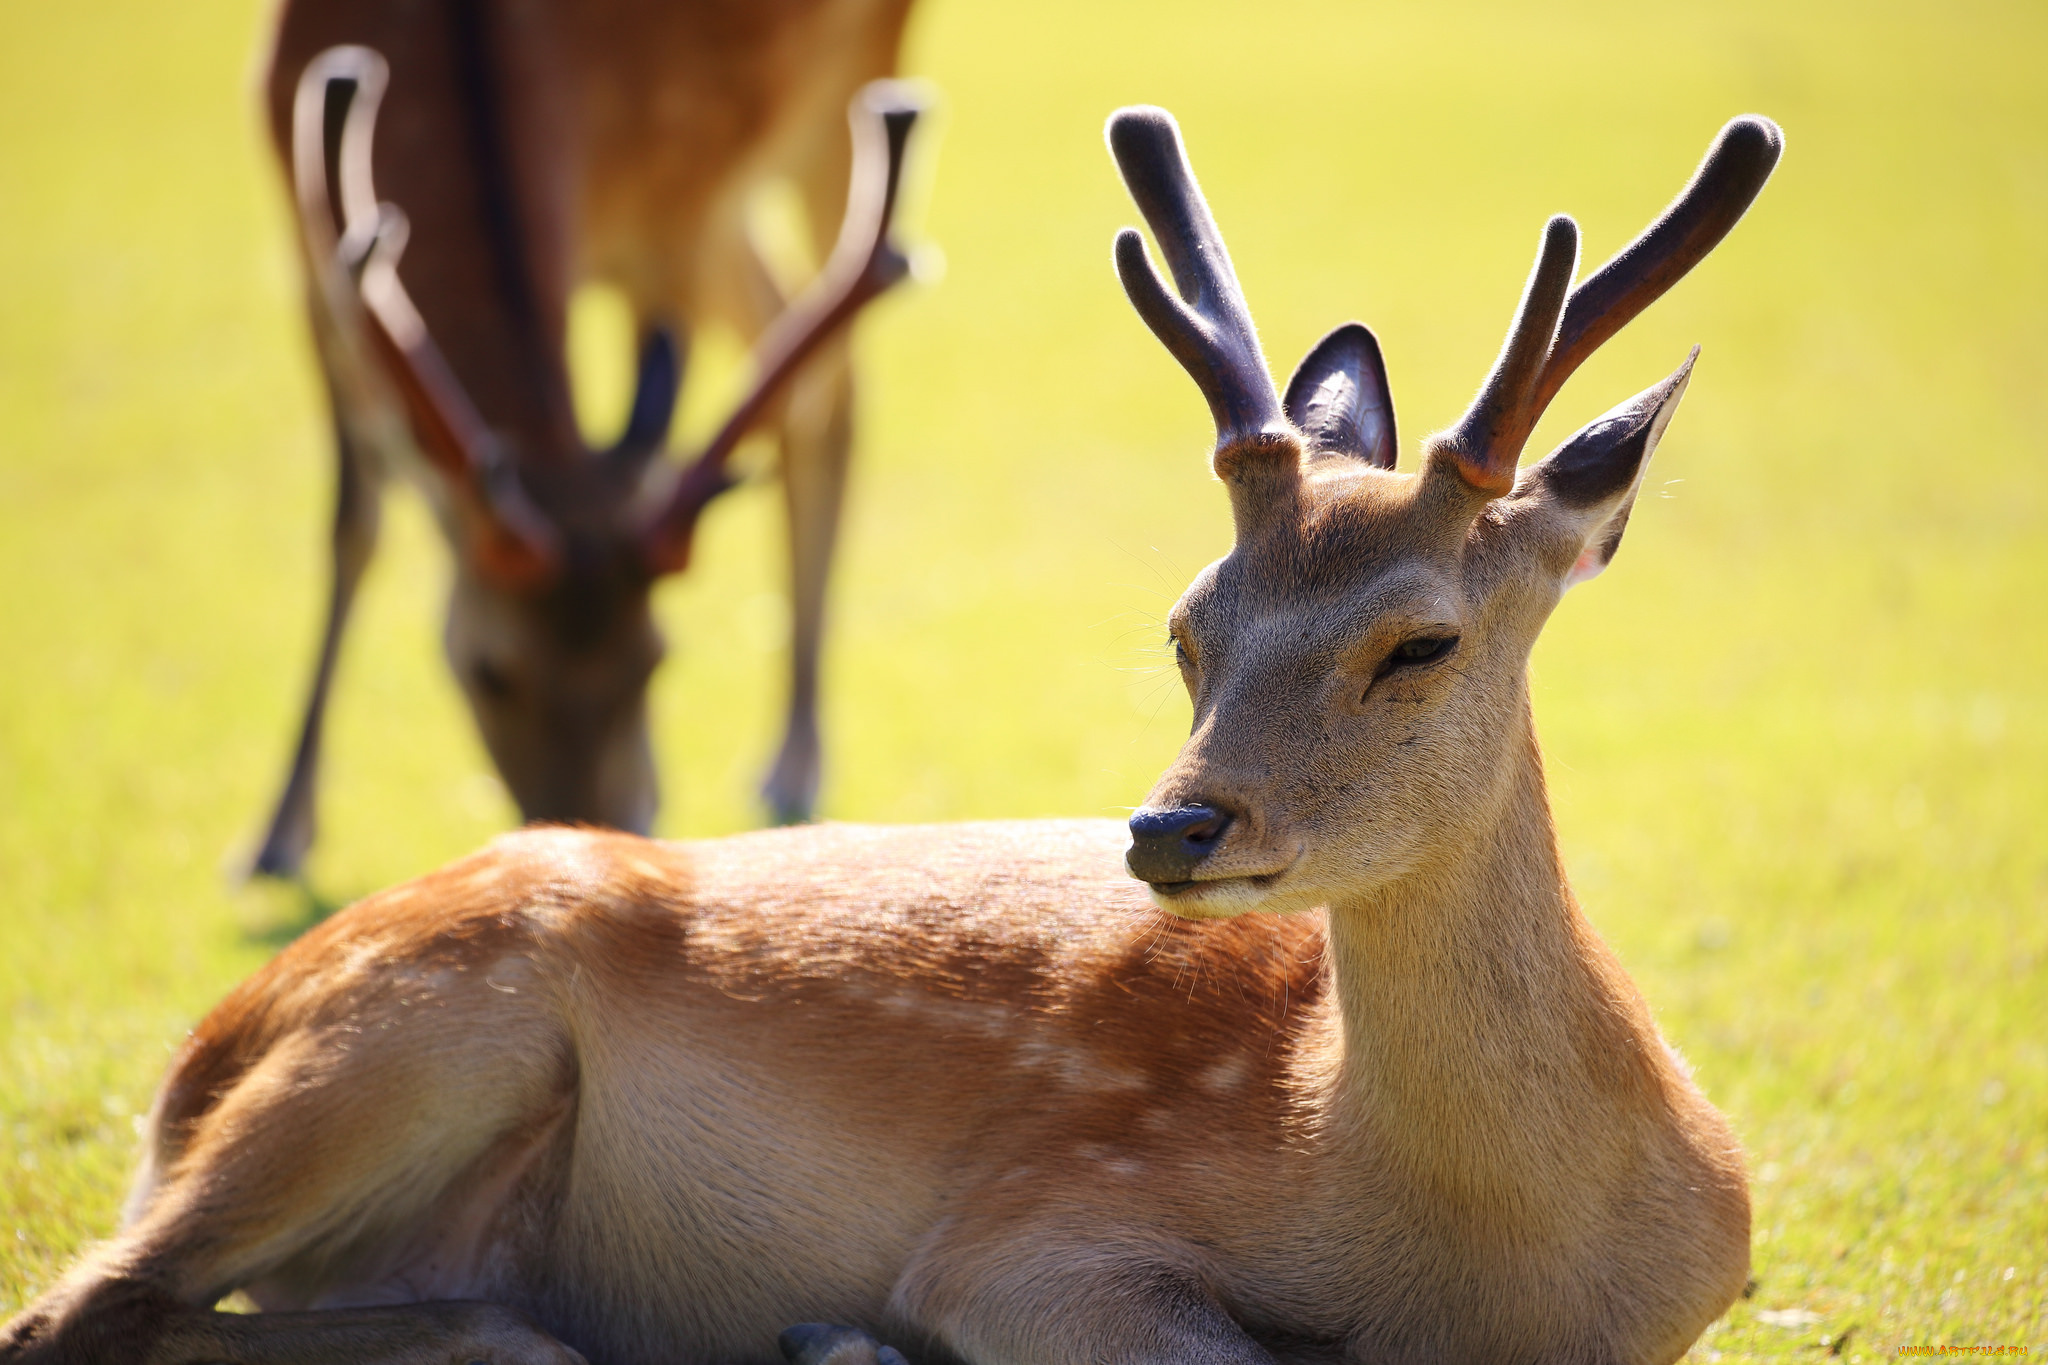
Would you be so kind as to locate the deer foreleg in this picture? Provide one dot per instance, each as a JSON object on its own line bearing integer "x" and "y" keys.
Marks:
{"x": 122, "y": 1320}
{"x": 1022, "y": 1297}
{"x": 354, "y": 539}
{"x": 817, "y": 440}
{"x": 817, "y": 443}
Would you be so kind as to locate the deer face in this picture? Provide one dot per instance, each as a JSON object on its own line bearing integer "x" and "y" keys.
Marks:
{"x": 557, "y": 678}
{"x": 1339, "y": 664}
{"x": 1356, "y": 667}
{"x": 1358, "y": 660}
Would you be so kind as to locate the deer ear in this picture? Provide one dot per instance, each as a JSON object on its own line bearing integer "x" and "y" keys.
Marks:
{"x": 1338, "y": 398}
{"x": 1592, "y": 479}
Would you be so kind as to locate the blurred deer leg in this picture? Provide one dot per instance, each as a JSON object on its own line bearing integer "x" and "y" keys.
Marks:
{"x": 817, "y": 442}
{"x": 357, "y": 489}
{"x": 817, "y": 439}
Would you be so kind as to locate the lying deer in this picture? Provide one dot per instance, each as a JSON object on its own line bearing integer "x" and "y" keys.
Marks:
{"x": 533, "y": 147}
{"x": 1351, "y": 1077}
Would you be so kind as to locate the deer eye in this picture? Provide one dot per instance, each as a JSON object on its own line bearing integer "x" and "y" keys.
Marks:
{"x": 491, "y": 680}
{"x": 1420, "y": 650}
{"x": 1181, "y": 654}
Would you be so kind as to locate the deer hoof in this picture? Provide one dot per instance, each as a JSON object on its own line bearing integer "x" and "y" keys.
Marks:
{"x": 791, "y": 790}
{"x": 817, "y": 1343}
{"x": 791, "y": 786}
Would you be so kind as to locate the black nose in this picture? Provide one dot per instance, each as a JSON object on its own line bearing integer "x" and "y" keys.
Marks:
{"x": 1167, "y": 844}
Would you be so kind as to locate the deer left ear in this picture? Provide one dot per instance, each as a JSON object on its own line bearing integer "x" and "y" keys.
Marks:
{"x": 1592, "y": 479}
{"x": 1338, "y": 398}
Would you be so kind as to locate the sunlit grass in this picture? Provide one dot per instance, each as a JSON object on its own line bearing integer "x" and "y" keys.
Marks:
{"x": 1798, "y": 734}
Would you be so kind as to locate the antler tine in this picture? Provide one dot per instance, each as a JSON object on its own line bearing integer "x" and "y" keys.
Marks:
{"x": 333, "y": 114}
{"x": 1488, "y": 439}
{"x": 515, "y": 541}
{"x": 1207, "y": 328}
{"x": 1553, "y": 335}
{"x": 864, "y": 264}
{"x": 334, "y": 118}
{"x": 1728, "y": 180}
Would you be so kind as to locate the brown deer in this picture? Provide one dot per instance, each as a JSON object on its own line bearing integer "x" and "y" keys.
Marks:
{"x": 533, "y": 147}
{"x": 972, "y": 1089}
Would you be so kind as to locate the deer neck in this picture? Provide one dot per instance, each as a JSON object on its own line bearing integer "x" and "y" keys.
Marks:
{"x": 1493, "y": 1053}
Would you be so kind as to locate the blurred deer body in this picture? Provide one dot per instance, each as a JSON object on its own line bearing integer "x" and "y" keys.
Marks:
{"x": 973, "y": 1090}
{"x": 533, "y": 147}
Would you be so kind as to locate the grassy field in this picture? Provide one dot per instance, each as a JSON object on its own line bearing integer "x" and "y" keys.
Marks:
{"x": 1798, "y": 735}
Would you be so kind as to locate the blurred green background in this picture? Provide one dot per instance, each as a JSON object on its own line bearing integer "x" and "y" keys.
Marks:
{"x": 1797, "y": 735}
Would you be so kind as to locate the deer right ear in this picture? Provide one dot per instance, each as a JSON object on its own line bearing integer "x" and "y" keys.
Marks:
{"x": 1592, "y": 479}
{"x": 1338, "y": 398}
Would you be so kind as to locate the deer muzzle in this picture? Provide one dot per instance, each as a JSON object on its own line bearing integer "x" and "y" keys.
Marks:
{"x": 1168, "y": 845}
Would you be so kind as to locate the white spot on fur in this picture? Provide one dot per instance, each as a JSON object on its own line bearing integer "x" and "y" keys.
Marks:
{"x": 1075, "y": 1070}
{"x": 1096, "y": 1154}
{"x": 361, "y": 957}
{"x": 1229, "y": 1074}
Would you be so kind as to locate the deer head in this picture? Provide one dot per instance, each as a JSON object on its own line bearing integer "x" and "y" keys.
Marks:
{"x": 1358, "y": 660}
{"x": 556, "y": 551}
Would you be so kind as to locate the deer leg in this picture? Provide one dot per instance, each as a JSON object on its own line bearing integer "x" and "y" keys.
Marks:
{"x": 817, "y": 443}
{"x": 354, "y": 539}
{"x": 128, "y": 1321}
{"x": 397, "y": 1160}
{"x": 817, "y": 440}
{"x": 816, "y": 1343}
{"x": 1028, "y": 1292}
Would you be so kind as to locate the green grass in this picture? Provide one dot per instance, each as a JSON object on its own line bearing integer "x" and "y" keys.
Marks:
{"x": 1799, "y": 733}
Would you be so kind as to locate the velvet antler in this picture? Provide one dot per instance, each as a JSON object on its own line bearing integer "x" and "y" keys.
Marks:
{"x": 1207, "y": 327}
{"x": 1552, "y": 335}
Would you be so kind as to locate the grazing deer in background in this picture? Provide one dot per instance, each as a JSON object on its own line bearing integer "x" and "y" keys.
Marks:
{"x": 969, "y": 1087}
{"x": 532, "y": 147}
